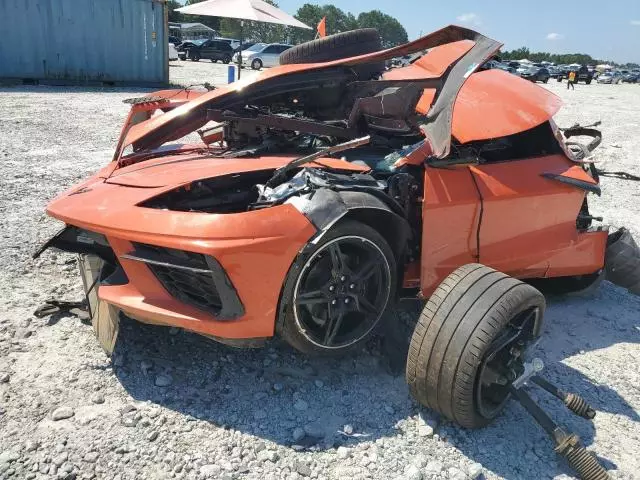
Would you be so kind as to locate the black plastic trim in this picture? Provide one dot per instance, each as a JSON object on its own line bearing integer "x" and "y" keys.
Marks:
{"x": 589, "y": 187}
{"x": 230, "y": 306}
{"x": 77, "y": 240}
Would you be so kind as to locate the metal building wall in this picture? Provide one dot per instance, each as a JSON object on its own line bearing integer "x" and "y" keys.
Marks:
{"x": 78, "y": 41}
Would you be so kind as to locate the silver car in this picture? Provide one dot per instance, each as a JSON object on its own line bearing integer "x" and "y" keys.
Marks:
{"x": 264, "y": 55}
{"x": 610, "y": 77}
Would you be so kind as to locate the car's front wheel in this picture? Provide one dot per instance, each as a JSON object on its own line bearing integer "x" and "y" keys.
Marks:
{"x": 226, "y": 59}
{"x": 336, "y": 294}
{"x": 195, "y": 56}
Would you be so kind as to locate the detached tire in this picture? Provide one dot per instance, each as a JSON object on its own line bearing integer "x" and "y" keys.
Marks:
{"x": 459, "y": 325}
{"x": 622, "y": 261}
{"x": 341, "y": 45}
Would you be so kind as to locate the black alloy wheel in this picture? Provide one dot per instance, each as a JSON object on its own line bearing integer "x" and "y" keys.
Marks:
{"x": 503, "y": 363}
{"x": 341, "y": 292}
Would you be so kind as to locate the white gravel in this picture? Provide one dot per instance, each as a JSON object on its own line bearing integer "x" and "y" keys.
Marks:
{"x": 179, "y": 406}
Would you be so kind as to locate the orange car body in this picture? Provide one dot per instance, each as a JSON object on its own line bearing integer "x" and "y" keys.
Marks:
{"x": 506, "y": 215}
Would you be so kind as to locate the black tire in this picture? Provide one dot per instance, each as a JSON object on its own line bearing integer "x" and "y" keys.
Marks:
{"x": 341, "y": 45}
{"x": 559, "y": 79}
{"x": 459, "y": 323}
{"x": 195, "y": 56}
{"x": 256, "y": 64}
{"x": 546, "y": 80}
{"x": 588, "y": 82}
{"x": 622, "y": 261}
{"x": 226, "y": 59}
{"x": 291, "y": 327}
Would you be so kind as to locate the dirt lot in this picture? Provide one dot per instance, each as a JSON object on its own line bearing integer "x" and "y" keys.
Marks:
{"x": 173, "y": 405}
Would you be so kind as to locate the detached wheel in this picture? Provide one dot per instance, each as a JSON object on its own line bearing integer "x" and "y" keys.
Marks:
{"x": 468, "y": 341}
{"x": 336, "y": 294}
{"x": 341, "y": 45}
{"x": 622, "y": 260}
{"x": 256, "y": 64}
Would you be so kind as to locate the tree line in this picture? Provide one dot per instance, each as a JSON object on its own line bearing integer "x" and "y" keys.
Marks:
{"x": 391, "y": 30}
{"x": 558, "y": 58}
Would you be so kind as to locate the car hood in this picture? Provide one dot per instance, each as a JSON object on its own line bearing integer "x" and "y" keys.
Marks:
{"x": 172, "y": 171}
{"x": 519, "y": 105}
{"x": 179, "y": 121}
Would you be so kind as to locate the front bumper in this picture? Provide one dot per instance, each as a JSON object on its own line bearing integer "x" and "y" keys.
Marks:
{"x": 253, "y": 250}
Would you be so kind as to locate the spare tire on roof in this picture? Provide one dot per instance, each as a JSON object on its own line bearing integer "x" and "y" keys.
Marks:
{"x": 341, "y": 45}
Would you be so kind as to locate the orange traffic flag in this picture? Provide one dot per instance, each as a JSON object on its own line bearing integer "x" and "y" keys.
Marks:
{"x": 322, "y": 27}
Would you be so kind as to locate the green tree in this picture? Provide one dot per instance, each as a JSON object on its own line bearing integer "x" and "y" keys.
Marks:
{"x": 557, "y": 58}
{"x": 173, "y": 15}
{"x": 391, "y": 31}
{"x": 337, "y": 21}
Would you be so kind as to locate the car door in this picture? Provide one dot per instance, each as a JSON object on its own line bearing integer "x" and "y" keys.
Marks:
{"x": 217, "y": 49}
{"x": 206, "y": 49}
{"x": 270, "y": 56}
{"x": 528, "y": 215}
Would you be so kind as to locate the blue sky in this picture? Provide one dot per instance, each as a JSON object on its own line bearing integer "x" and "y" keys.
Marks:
{"x": 607, "y": 29}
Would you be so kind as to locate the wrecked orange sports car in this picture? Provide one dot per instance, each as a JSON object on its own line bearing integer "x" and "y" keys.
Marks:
{"x": 316, "y": 194}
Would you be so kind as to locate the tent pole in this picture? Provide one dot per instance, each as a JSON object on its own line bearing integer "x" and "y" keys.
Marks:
{"x": 240, "y": 52}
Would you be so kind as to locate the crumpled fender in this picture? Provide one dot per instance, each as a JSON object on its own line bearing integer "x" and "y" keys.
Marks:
{"x": 326, "y": 207}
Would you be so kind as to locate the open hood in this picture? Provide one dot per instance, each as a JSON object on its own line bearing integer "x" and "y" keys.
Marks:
{"x": 437, "y": 95}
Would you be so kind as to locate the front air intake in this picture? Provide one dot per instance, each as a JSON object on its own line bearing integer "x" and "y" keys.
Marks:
{"x": 192, "y": 278}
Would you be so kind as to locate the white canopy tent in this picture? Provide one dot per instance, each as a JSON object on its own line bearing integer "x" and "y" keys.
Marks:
{"x": 254, "y": 10}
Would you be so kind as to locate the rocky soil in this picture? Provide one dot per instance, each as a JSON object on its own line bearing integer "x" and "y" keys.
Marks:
{"x": 170, "y": 404}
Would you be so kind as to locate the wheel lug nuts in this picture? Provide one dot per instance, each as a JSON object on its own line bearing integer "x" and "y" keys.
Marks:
{"x": 346, "y": 300}
{"x": 352, "y": 286}
{"x": 343, "y": 278}
{"x": 332, "y": 288}
{"x": 333, "y": 302}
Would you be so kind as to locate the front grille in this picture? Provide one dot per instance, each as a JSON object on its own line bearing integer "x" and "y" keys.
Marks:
{"x": 192, "y": 278}
{"x": 192, "y": 288}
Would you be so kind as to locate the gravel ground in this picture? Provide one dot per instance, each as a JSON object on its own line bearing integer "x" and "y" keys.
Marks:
{"x": 190, "y": 73}
{"x": 170, "y": 404}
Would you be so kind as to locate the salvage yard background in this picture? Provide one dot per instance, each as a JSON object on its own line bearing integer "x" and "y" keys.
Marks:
{"x": 174, "y": 405}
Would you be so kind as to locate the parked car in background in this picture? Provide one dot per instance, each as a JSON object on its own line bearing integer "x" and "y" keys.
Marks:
{"x": 245, "y": 46}
{"x": 175, "y": 40}
{"x": 554, "y": 72}
{"x": 493, "y": 64}
{"x": 583, "y": 74}
{"x": 631, "y": 77}
{"x": 235, "y": 44}
{"x": 173, "y": 52}
{"x": 184, "y": 47}
{"x": 612, "y": 78}
{"x": 213, "y": 50}
{"x": 264, "y": 55}
{"x": 536, "y": 74}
